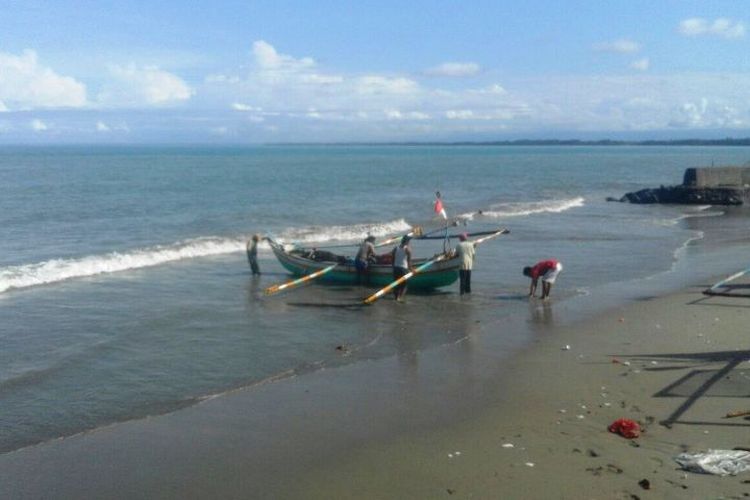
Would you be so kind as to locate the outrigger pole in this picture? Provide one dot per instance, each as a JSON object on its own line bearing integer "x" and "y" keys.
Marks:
{"x": 277, "y": 288}
{"x": 493, "y": 235}
{"x": 714, "y": 290}
{"x": 375, "y": 296}
{"x": 416, "y": 231}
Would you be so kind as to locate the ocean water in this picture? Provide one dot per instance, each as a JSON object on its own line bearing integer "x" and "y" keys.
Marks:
{"x": 125, "y": 290}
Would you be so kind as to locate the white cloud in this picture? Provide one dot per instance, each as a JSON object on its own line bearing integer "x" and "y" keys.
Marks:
{"x": 25, "y": 84}
{"x": 706, "y": 114}
{"x": 222, "y": 79}
{"x": 640, "y": 64}
{"x": 492, "y": 89}
{"x": 375, "y": 84}
{"x": 102, "y": 127}
{"x": 621, "y": 46}
{"x": 219, "y": 131}
{"x": 38, "y": 125}
{"x": 322, "y": 79}
{"x": 267, "y": 58}
{"x": 459, "y": 114}
{"x": 454, "y": 69}
{"x": 394, "y": 114}
{"x": 313, "y": 113}
{"x": 3, "y": 107}
{"x": 238, "y": 106}
{"x": 721, "y": 26}
{"x": 139, "y": 86}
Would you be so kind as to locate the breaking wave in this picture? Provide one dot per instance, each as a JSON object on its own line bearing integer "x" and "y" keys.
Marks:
{"x": 354, "y": 232}
{"x": 54, "y": 270}
{"x": 519, "y": 209}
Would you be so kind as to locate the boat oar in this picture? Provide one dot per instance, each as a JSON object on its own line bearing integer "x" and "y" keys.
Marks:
{"x": 375, "y": 296}
{"x": 277, "y": 288}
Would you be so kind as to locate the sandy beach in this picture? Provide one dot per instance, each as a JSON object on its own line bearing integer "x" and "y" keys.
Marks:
{"x": 676, "y": 364}
{"x": 537, "y": 429}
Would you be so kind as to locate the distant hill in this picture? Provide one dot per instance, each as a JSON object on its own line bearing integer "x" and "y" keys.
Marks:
{"x": 561, "y": 142}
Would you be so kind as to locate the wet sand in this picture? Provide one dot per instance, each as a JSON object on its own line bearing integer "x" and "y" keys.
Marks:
{"x": 434, "y": 424}
{"x": 676, "y": 364}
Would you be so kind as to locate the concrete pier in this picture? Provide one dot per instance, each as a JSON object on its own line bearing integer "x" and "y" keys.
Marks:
{"x": 700, "y": 186}
{"x": 734, "y": 177}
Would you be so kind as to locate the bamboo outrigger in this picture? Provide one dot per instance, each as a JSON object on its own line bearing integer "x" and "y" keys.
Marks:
{"x": 305, "y": 261}
{"x": 310, "y": 263}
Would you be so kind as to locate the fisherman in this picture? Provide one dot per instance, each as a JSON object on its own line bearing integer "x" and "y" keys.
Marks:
{"x": 252, "y": 254}
{"x": 547, "y": 270}
{"x": 401, "y": 264}
{"x": 465, "y": 250}
{"x": 365, "y": 255}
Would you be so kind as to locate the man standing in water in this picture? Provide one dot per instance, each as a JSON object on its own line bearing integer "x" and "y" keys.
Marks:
{"x": 365, "y": 254}
{"x": 465, "y": 251}
{"x": 252, "y": 254}
{"x": 401, "y": 265}
{"x": 547, "y": 270}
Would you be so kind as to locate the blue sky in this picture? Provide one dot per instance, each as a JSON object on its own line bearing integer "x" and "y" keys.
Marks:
{"x": 328, "y": 71}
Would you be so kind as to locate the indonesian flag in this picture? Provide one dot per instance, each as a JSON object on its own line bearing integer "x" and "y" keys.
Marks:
{"x": 439, "y": 207}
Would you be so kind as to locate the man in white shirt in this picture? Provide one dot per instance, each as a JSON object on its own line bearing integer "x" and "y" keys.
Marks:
{"x": 465, "y": 250}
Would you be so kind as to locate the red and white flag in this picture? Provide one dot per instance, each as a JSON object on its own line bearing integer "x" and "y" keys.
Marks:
{"x": 439, "y": 206}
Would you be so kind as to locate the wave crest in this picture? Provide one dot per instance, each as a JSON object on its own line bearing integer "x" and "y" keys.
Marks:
{"x": 353, "y": 232}
{"x": 522, "y": 208}
{"x": 54, "y": 270}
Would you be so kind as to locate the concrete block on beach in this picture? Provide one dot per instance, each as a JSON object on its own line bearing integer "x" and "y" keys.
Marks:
{"x": 700, "y": 186}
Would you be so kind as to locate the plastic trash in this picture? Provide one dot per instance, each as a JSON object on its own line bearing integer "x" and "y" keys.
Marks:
{"x": 625, "y": 427}
{"x": 718, "y": 462}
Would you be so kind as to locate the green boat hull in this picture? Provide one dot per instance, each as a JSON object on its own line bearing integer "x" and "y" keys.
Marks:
{"x": 440, "y": 274}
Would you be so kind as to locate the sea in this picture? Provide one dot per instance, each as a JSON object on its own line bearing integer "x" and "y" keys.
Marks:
{"x": 125, "y": 290}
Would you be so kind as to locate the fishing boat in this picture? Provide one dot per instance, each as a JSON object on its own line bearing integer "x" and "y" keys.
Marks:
{"x": 304, "y": 261}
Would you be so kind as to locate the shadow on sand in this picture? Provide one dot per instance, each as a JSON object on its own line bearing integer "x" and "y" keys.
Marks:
{"x": 698, "y": 383}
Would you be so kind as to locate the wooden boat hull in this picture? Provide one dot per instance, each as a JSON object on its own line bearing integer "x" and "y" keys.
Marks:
{"x": 440, "y": 274}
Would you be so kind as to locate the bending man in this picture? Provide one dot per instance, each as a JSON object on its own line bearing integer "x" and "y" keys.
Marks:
{"x": 547, "y": 270}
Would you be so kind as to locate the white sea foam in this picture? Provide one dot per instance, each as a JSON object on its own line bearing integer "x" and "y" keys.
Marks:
{"x": 354, "y": 232}
{"x": 55, "y": 270}
{"x": 522, "y": 208}
{"x": 694, "y": 212}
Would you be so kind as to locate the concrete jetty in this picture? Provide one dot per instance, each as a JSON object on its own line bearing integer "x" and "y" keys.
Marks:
{"x": 700, "y": 186}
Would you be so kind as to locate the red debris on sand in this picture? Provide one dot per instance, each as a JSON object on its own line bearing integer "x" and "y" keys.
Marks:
{"x": 625, "y": 427}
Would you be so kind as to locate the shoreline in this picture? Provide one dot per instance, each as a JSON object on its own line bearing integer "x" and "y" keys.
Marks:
{"x": 329, "y": 435}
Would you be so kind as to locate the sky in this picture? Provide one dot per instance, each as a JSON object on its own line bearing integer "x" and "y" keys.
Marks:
{"x": 371, "y": 71}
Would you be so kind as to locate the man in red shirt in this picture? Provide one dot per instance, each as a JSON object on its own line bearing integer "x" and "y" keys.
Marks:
{"x": 548, "y": 271}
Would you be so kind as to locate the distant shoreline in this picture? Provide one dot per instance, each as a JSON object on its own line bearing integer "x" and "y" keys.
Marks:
{"x": 518, "y": 142}
{"x": 539, "y": 142}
